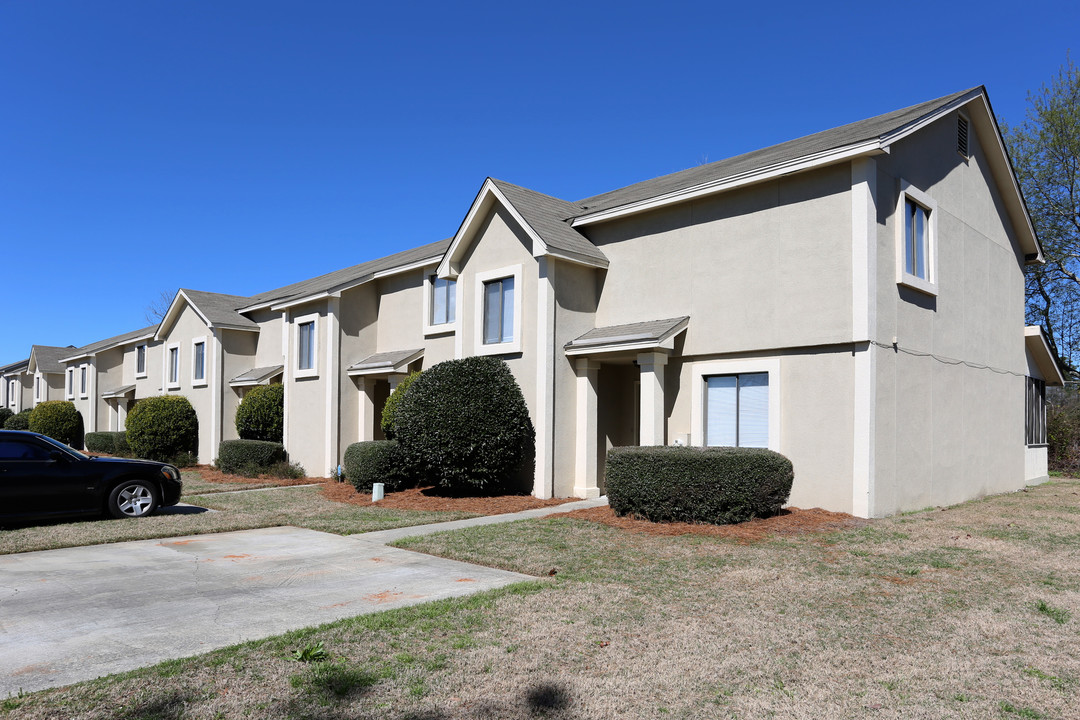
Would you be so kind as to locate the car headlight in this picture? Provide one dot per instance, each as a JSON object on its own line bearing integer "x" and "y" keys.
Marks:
{"x": 170, "y": 472}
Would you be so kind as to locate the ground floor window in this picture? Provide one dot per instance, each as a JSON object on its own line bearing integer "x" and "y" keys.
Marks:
{"x": 737, "y": 410}
{"x": 1036, "y": 411}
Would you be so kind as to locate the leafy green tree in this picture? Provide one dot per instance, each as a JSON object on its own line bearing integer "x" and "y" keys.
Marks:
{"x": 1045, "y": 149}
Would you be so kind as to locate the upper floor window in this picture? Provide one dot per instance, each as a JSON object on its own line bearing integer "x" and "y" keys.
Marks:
{"x": 737, "y": 410}
{"x": 12, "y": 393}
{"x": 499, "y": 311}
{"x": 70, "y": 384}
{"x": 173, "y": 366}
{"x": 917, "y": 240}
{"x": 82, "y": 380}
{"x": 1036, "y": 412}
{"x": 307, "y": 346}
{"x": 140, "y": 361}
{"x": 443, "y": 300}
{"x": 38, "y": 389}
{"x": 198, "y": 361}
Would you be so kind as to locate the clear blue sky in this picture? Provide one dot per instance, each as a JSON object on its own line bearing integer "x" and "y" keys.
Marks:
{"x": 237, "y": 146}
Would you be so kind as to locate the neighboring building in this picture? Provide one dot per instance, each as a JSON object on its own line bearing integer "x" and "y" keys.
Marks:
{"x": 16, "y": 386}
{"x": 101, "y": 378}
{"x": 46, "y": 373}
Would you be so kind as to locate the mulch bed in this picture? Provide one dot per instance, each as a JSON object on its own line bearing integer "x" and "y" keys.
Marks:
{"x": 209, "y": 473}
{"x": 791, "y": 521}
{"x": 429, "y": 499}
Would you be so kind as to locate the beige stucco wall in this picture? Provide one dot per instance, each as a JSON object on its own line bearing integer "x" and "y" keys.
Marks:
{"x": 188, "y": 326}
{"x": 152, "y": 383}
{"x": 767, "y": 266}
{"x": 946, "y": 432}
{"x": 110, "y": 376}
{"x": 305, "y": 398}
{"x": 238, "y": 356}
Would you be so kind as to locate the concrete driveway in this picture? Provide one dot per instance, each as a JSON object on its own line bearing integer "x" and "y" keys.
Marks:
{"x": 79, "y": 613}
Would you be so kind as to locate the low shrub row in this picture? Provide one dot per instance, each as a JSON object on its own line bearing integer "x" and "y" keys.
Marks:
{"x": 685, "y": 484}
{"x": 112, "y": 443}
{"x": 376, "y": 461}
{"x": 249, "y": 457}
{"x": 18, "y": 421}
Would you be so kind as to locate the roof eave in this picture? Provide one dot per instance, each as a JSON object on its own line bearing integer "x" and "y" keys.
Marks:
{"x": 1036, "y": 344}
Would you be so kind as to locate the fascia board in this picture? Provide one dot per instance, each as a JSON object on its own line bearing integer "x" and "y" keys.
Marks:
{"x": 73, "y": 358}
{"x": 385, "y": 368}
{"x": 301, "y": 301}
{"x": 611, "y": 348}
{"x": 130, "y": 341}
{"x": 1044, "y": 358}
{"x": 579, "y": 259}
{"x": 418, "y": 265}
{"x": 828, "y": 157}
{"x": 225, "y": 326}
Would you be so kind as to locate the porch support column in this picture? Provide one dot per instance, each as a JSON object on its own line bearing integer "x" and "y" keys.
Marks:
{"x": 585, "y": 485}
{"x": 652, "y": 397}
{"x": 366, "y": 421}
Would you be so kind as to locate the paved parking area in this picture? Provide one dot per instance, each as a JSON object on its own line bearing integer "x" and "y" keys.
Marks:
{"x": 79, "y": 613}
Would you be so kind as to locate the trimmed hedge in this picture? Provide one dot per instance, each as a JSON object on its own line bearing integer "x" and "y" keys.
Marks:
{"x": 5, "y": 413}
{"x": 58, "y": 419}
{"x": 464, "y": 425}
{"x": 246, "y": 457}
{"x": 261, "y": 415}
{"x": 376, "y": 461}
{"x": 388, "y": 423}
{"x": 717, "y": 485}
{"x": 18, "y": 421}
{"x": 113, "y": 443}
{"x": 162, "y": 428}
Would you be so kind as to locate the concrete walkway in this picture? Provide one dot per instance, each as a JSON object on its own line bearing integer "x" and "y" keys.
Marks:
{"x": 79, "y": 613}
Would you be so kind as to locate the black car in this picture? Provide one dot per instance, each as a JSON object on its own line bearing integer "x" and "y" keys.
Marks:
{"x": 41, "y": 477}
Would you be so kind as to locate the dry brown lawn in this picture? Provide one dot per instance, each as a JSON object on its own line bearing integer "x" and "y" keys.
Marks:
{"x": 967, "y": 612}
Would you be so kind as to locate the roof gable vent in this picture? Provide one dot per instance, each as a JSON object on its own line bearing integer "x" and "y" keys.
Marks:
{"x": 962, "y": 136}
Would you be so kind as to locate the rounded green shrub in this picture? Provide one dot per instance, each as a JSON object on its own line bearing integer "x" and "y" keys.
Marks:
{"x": 5, "y": 413}
{"x": 162, "y": 428}
{"x": 376, "y": 461}
{"x": 18, "y": 421}
{"x": 464, "y": 425}
{"x": 717, "y": 485}
{"x": 388, "y": 423}
{"x": 249, "y": 457}
{"x": 113, "y": 443}
{"x": 261, "y": 415}
{"x": 58, "y": 419}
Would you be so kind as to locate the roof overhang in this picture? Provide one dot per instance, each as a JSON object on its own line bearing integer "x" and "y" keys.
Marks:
{"x": 627, "y": 342}
{"x": 391, "y": 363}
{"x": 177, "y": 306}
{"x": 129, "y": 341}
{"x": 118, "y": 392}
{"x": 257, "y": 376}
{"x": 489, "y": 196}
{"x": 985, "y": 125}
{"x": 1039, "y": 350}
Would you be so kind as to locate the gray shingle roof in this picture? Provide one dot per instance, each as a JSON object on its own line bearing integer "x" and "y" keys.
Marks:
{"x": 118, "y": 392}
{"x": 649, "y": 331}
{"x": 257, "y": 375}
{"x": 220, "y": 310}
{"x": 14, "y": 367}
{"x": 546, "y": 215}
{"x": 842, "y": 136}
{"x": 47, "y": 357}
{"x": 111, "y": 342}
{"x": 349, "y": 275}
{"x": 385, "y": 361}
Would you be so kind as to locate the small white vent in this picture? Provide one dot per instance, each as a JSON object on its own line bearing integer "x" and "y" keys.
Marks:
{"x": 962, "y": 135}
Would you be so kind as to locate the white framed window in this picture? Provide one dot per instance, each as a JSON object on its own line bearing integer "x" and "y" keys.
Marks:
{"x": 69, "y": 384}
{"x": 498, "y": 311}
{"x": 38, "y": 395}
{"x": 736, "y": 403}
{"x": 172, "y": 366}
{"x": 307, "y": 345}
{"x": 83, "y": 386}
{"x": 198, "y": 362}
{"x": 916, "y": 242}
{"x": 440, "y": 304}
{"x": 140, "y": 361}
{"x": 12, "y": 393}
{"x": 1035, "y": 412}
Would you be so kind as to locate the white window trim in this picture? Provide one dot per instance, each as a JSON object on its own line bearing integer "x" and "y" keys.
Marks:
{"x": 38, "y": 385}
{"x": 297, "y": 322}
{"x": 169, "y": 382}
{"x": 69, "y": 384}
{"x": 929, "y": 285}
{"x": 514, "y": 346}
{"x": 699, "y": 371}
{"x": 429, "y": 294}
{"x": 84, "y": 392}
{"x": 146, "y": 360}
{"x": 195, "y": 342}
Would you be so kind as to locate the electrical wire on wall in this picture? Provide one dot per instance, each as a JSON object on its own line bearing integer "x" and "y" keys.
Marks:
{"x": 945, "y": 360}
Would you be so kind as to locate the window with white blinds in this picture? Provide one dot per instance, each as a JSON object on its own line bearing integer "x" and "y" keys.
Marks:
{"x": 737, "y": 410}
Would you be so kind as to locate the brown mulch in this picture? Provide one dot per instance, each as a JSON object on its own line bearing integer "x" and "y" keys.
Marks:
{"x": 209, "y": 473}
{"x": 790, "y": 521}
{"x": 429, "y": 499}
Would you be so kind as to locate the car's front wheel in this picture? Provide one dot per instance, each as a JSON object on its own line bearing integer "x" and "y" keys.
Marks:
{"x": 133, "y": 498}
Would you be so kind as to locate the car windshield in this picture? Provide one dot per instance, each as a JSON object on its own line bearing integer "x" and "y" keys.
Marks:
{"x": 65, "y": 448}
